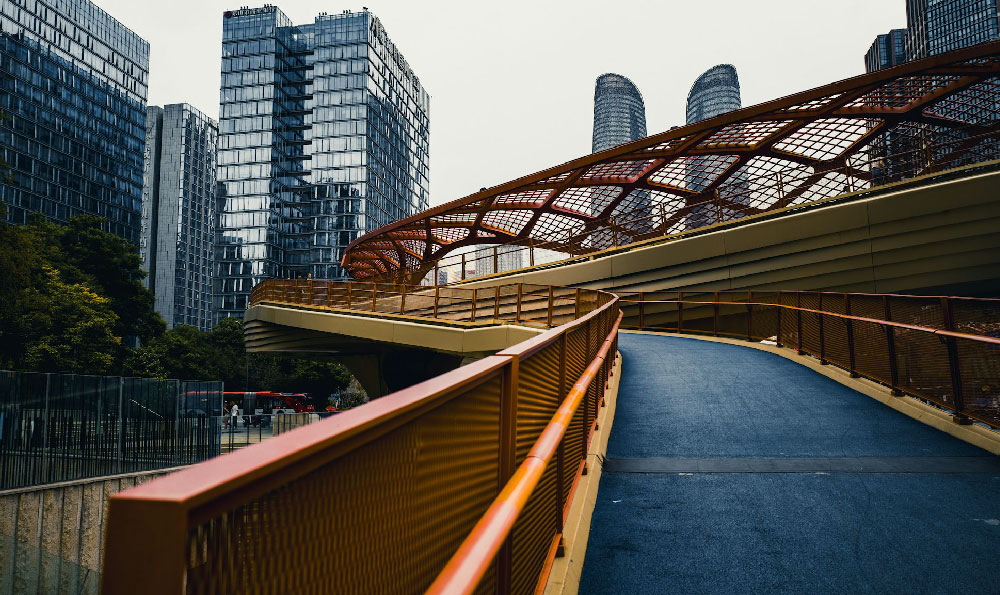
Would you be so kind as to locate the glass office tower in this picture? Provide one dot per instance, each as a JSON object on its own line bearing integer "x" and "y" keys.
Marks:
{"x": 888, "y": 50}
{"x": 937, "y": 26}
{"x": 74, "y": 85}
{"x": 619, "y": 113}
{"x": 714, "y": 93}
{"x": 619, "y": 117}
{"x": 178, "y": 213}
{"x": 323, "y": 136}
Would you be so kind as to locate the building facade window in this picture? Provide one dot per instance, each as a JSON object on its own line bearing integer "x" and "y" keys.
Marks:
{"x": 323, "y": 136}
{"x": 178, "y": 213}
{"x": 74, "y": 83}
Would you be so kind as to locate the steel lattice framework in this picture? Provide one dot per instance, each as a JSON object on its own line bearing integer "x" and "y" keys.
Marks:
{"x": 854, "y": 134}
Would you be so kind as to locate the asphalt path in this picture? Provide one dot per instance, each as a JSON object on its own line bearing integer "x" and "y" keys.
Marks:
{"x": 733, "y": 470}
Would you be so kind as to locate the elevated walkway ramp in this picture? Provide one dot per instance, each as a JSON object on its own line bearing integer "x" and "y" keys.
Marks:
{"x": 733, "y": 470}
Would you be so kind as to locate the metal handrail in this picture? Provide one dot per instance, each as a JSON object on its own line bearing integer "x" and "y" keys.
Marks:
{"x": 175, "y": 505}
{"x": 888, "y": 323}
{"x": 958, "y": 372}
{"x": 466, "y": 568}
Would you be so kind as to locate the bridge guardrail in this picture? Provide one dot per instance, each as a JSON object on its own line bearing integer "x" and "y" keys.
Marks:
{"x": 515, "y": 302}
{"x": 382, "y": 496}
{"x": 945, "y": 350}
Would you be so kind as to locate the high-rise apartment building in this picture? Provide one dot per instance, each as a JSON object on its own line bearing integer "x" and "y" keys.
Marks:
{"x": 178, "y": 213}
{"x": 323, "y": 135}
{"x": 619, "y": 113}
{"x": 937, "y": 26}
{"x": 888, "y": 50}
{"x": 73, "y": 82}
{"x": 714, "y": 93}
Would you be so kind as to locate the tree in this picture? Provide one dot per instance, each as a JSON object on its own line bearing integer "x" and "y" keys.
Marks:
{"x": 183, "y": 352}
{"x": 20, "y": 272}
{"x": 85, "y": 253}
{"x": 71, "y": 328}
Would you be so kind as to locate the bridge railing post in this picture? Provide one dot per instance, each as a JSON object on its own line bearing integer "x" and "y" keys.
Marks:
{"x": 586, "y": 399}
{"x": 437, "y": 296}
{"x": 548, "y": 316}
{"x": 680, "y": 311}
{"x": 749, "y": 315}
{"x": 496, "y": 303}
{"x": 822, "y": 340}
{"x": 520, "y": 295}
{"x": 531, "y": 251}
{"x": 953, "y": 364}
{"x": 890, "y": 339}
{"x": 475, "y": 300}
{"x": 462, "y": 272}
{"x": 402, "y": 299}
{"x": 508, "y": 446}
{"x": 642, "y": 310}
{"x": 798, "y": 323}
{"x": 561, "y": 451}
{"x": 350, "y": 290}
{"x": 777, "y": 332}
{"x": 851, "y": 352}
{"x": 715, "y": 315}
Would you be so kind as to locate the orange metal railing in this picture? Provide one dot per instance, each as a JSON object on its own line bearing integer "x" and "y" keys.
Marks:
{"x": 945, "y": 350}
{"x": 379, "y": 498}
{"x": 494, "y": 532}
{"x": 516, "y": 302}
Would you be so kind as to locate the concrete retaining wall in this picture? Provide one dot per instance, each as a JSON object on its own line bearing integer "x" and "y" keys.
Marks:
{"x": 52, "y": 536}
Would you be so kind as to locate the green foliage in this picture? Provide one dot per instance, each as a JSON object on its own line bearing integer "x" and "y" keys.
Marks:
{"x": 43, "y": 258}
{"x": 183, "y": 352}
{"x": 317, "y": 378}
{"x": 84, "y": 253}
{"x": 71, "y": 297}
{"x": 21, "y": 272}
{"x": 188, "y": 354}
{"x": 70, "y": 328}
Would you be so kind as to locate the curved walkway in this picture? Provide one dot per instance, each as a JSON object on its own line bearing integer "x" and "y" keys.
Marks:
{"x": 733, "y": 470}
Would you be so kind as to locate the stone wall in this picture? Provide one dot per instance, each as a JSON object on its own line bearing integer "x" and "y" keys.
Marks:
{"x": 52, "y": 536}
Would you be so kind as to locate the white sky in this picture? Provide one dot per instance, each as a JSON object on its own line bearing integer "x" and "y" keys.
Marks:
{"x": 512, "y": 83}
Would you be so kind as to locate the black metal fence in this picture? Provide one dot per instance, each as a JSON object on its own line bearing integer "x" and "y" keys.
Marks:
{"x": 61, "y": 427}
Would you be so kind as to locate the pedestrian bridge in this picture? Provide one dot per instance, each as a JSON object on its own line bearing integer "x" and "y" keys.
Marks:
{"x": 785, "y": 421}
{"x": 480, "y": 479}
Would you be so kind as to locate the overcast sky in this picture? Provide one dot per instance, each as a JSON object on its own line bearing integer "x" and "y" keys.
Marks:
{"x": 512, "y": 83}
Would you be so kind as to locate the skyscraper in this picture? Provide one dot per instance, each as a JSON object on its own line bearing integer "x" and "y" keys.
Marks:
{"x": 934, "y": 27}
{"x": 937, "y": 26}
{"x": 619, "y": 117}
{"x": 619, "y": 113}
{"x": 178, "y": 212}
{"x": 323, "y": 135}
{"x": 715, "y": 92}
{"x": 888, "y": 50}
{"x": 73, "y": 82}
